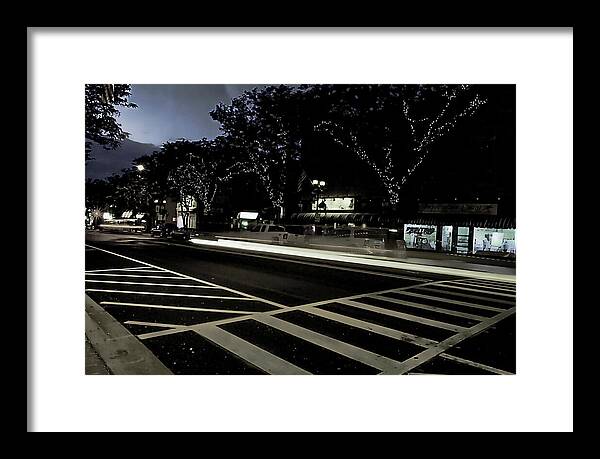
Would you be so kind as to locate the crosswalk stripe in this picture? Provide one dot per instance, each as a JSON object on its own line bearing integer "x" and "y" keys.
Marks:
{"x": 459, "y": 287}
{"x": 150, "y": 283}
{"x": 175, "y": 308}
{"x": 485, "y": 287}
{"x": 348, "y": 350}
{"x": 465, "y": 295}
{"x": 427, "y": 307}
{"x": 136, "y": 275}
{"x": 486, "y": 283}
{"x": 443, "y": 346}
{"x": 237, "y": 298}
{"x": 475, "y": 364}
{"x": 449, "y": 301}
{"x": 249, "y": 352}
{"x": 402, "y": 315}
{"x": 371, "y": 327}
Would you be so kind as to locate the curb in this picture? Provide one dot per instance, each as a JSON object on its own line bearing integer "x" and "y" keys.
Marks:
{"x": 121, "y": 351}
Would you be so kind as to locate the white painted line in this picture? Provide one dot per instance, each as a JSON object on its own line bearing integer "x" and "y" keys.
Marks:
{"x": 358, "y": 295}
{"x": 135, "y": 275}
{"x": 272, "y": 303}
{"x": 169, "y": 294}
{"x": 250, "y": 353}
{"x": 106, "y": 270}
{"x": 176, "y": 308}
{"x": 150, "y": 283}
{"x": 427, "y": 307}
{"x": 402, "y": 315}
{"x": 355, "y": 322}
{"x": 466, "y": 295}
{"x": 475, "y": 364}
{"x": 447, "y": 284}
{"x": 368, "y": 326}
{"x": 490, "y": 283}
{"x": 152, "y": 324}
{"x": 450, "y": 301}
{"x": 443, "y": 346}
{"x": 486, "y": 287}
{"x": 347, "y": 350}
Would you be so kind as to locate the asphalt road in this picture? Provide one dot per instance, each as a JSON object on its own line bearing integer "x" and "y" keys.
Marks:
{"x": 205, "y": 310}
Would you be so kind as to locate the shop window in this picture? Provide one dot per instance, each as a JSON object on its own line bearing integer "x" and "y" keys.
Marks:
{"x": 462, "y": 240}
{"x": 421, "y": 237}
{"x": 447, "y": 238}
{"x": 494, "y": 240}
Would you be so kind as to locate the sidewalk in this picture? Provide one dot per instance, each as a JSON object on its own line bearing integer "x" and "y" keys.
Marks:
{"x": 94, "y": 365}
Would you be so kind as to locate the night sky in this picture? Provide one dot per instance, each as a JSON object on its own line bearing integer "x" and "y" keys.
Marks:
{"x": 170, "y": 111}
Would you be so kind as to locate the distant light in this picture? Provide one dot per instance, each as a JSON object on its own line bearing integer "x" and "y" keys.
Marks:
{"x": 322, "y": 183}
{"x": 393, "y": 230}
{"x": 156, "y": 201}
{"x": 248, "y": 215}
{"x": 164, "y": 201}
{"x": 140, "y": 167}
{"x": 315, "y": 182}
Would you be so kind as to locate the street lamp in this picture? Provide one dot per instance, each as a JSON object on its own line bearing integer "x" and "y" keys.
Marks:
{"x": 140, "y": 167}
{"x": 319, "y": 185}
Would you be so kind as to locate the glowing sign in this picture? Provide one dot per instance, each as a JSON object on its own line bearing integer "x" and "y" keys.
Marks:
{"x": 248, "y": 215}
{"x": 334, "y": 204}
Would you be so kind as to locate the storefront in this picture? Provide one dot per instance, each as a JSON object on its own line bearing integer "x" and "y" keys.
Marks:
{"x": 422, "y": 237}
{"x": 494, "y": 240}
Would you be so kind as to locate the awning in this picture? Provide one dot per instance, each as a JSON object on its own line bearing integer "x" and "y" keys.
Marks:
{"x": 483, "y": 221}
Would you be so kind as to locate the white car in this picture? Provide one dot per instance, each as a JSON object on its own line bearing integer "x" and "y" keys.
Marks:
{"x": 269, "y": 232}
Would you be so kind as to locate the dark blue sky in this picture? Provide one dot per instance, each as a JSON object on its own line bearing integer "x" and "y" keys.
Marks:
{"x": 167, "y": 112}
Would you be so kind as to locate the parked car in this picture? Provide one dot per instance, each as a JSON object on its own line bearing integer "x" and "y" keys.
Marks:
{"x": 163, "y": 230}
{"x": 181, "y": 234}
{"x": 269, "y": 232}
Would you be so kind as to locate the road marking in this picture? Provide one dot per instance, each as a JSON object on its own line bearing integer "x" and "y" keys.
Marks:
{"x": 104, "y": 270}
{"x": 459, "y": 287}
{"x": 450, "y": 301}
{"x": 250, "y": 353}
{"x": 402, "y": 315}
{"x": 504, "y": 285}
{"x": 368, "y": 326}
{"x": 177, "y": 308}
{"x": 475, "y": 364}
{"x": 152, "y": 324}
{"x": 272, "y": 303}
{"x": 484, "y": 287}
{"x": 399, "y": 335}
{"x": 466, "y": 295}
{"x": 347, "y": 350}
{"x": 135, "y": 275}
{"x": 150, "y": 283}
{"x": 170, "y": 294}
{"x": 427, "y": 307}
{"x": 443, "y": 346}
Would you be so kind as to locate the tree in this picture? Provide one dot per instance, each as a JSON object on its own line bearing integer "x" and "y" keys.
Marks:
{"x": 262, "y": 125}
{"x": 197, "y": 170}
{"x": 101, "y": 126}
{"x": 391, "y": 128}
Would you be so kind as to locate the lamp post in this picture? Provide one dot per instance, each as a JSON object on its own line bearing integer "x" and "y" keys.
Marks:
{"x": 318, "y": 185}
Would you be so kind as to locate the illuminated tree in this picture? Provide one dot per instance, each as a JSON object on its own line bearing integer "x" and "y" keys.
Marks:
{"x": 392, "y": 128}
{"x": 262, "y": 126}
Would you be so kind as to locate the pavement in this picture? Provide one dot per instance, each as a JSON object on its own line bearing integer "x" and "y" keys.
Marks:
{"x": 214, "y": 309}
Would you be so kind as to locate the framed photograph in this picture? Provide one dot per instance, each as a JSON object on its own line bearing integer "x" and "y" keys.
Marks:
{"x": 275, "y": 227}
